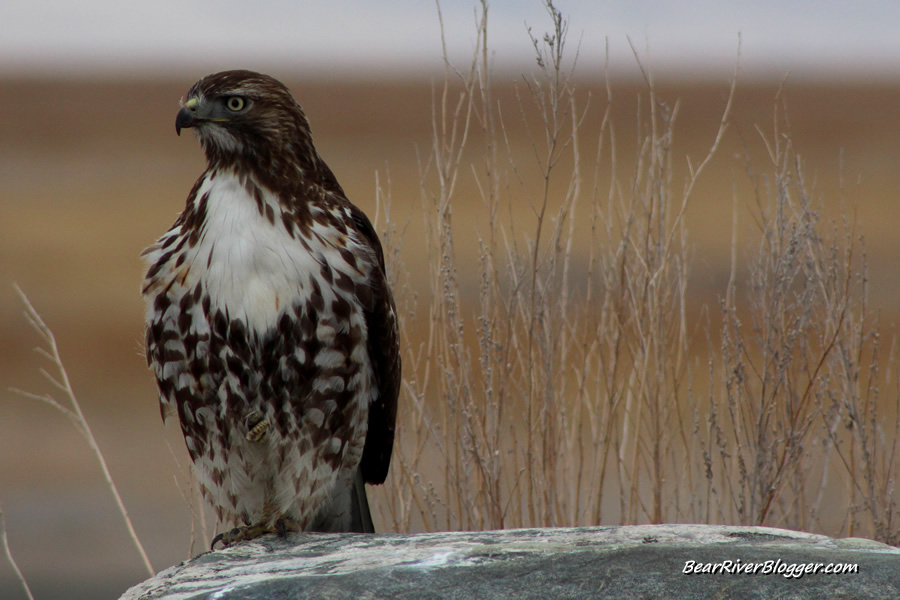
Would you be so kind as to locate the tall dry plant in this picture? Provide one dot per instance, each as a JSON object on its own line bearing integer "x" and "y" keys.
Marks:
{"x": 565, "y": 389}
{"x": 549, "y": 398}
{"x": 801, "y": 381}
{"x": 71, "y": 408}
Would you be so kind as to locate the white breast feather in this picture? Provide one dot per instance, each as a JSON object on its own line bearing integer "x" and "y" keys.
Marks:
{"x": 257, "y": 268}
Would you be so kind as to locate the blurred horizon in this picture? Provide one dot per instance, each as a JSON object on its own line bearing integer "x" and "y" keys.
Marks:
{"x": 353, "y": 38}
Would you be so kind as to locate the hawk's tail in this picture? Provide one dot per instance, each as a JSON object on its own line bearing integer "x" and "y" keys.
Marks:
{"x": 361, "y": 519}
{"x": 348, "y": 510}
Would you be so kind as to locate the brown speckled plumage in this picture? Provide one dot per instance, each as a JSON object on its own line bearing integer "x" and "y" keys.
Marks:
{"x": 270, "y": 327}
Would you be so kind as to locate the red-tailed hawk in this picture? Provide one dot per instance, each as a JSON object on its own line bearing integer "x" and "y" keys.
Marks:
{"x": 270, "y": 326}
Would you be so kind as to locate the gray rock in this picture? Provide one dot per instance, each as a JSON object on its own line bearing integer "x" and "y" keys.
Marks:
{"x": 642, "y": 561}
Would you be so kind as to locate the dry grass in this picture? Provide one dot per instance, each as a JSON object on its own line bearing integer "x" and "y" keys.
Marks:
{"x": 570, "y": 396}
{"x": 10, "y": 559}
{"x": 799, "y": 385}
{"x": 73, "y": 412}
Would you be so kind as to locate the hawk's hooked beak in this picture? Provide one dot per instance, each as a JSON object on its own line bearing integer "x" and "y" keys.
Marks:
{"x": 187, "y": 116}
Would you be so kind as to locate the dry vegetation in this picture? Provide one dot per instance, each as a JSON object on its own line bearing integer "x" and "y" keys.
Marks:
{"x": 572, "y": 396}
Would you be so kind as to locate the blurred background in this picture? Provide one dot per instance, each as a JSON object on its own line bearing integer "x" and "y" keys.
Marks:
{"x": 91, "y": 172}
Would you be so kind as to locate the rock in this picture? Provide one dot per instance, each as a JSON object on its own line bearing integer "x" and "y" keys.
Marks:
{"x": 641, "y": 561}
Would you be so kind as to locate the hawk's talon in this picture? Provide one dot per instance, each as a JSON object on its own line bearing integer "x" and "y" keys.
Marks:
{"x": 251, "y": 532}
{"x": 227, "y": 538}
{"x": 216, "y": 540}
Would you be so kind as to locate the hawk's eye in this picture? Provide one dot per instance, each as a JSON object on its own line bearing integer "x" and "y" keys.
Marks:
{"x": 235, "y": 103}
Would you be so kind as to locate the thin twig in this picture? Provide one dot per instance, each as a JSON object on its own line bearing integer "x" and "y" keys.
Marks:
{"x": 9, "y": 556}
{"x": 75, "y": 414}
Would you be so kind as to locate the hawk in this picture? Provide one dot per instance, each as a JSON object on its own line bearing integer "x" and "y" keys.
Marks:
{"x": 270, "y": 326}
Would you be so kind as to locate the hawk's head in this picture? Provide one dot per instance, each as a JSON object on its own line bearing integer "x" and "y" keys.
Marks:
{"x": 248, "y": 118}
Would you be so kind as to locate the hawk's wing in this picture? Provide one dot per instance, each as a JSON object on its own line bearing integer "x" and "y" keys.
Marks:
{"x": 384, "y": 354}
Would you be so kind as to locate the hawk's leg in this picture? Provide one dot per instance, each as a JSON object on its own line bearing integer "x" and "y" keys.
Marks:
{"x": 240, "y": 534}
{"x": 281, "y": 527}
{"x": 285, "y": 524}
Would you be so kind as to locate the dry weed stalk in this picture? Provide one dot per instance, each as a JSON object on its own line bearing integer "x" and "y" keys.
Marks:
{"x": 808, "y": 359}
{"x": 188, "y": 486}
{"x": 570, "y": 394}
{"x": 75, "y": 415}
{"x": 10, "y": 559}
{"x": 543, "y": 390}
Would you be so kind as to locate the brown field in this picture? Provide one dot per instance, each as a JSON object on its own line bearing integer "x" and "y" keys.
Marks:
{"x": 91, "y": 172}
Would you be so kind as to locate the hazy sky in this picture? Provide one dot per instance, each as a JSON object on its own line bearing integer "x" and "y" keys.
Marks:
{"x": 815, "y": 36}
